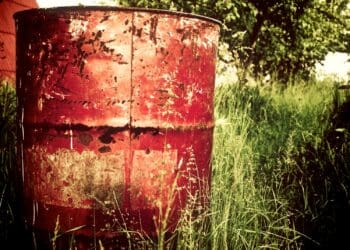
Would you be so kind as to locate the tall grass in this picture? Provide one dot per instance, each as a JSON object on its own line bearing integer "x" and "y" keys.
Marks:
{"x": 266, "y": 142}
{"x": 7, "y": 159}
{"x": 280, "y": 173}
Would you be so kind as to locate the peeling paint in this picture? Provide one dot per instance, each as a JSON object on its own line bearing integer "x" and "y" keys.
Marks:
{"x": 68, "y": 178}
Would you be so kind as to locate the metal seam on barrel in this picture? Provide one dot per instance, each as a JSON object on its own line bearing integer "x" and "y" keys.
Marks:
{"x": 209, "y": 125}
{"x": 130, "y": 154}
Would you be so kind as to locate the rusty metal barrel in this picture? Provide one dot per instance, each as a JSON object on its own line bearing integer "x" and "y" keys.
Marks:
{"x": 116, "y": 117}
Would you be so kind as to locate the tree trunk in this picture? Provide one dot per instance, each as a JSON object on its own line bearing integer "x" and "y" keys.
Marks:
{"x": 251, "y": 43}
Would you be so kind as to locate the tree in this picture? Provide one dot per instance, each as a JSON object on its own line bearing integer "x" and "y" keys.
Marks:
{"x": 282, "y": 38}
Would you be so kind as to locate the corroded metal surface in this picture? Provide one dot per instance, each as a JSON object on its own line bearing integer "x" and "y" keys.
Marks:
{"x": 116, "y": 116}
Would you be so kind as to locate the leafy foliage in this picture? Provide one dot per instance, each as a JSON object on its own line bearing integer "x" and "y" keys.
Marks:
{"x": 283, "y": 38}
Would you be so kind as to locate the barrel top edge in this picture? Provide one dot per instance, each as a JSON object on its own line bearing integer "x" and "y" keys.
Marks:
{"x": 32, "y": 11}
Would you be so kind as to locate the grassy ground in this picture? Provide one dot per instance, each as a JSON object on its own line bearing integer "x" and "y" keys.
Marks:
{"x": 280, "y": 172}
{"x": 280, "y": 175}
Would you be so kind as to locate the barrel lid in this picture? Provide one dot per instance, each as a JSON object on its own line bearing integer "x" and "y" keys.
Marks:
{"x": 20, "y": 14}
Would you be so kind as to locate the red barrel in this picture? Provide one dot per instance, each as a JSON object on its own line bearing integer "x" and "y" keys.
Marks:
{"x": 116, "y": 117}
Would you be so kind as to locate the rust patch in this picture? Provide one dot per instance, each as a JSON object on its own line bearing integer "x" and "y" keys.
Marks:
{"x": 71, "y": 179}
{"x": 107, "y": 137}
{"x": 85, "y": 139}
{"x": 153, "y": 29}
{"x": 104, "y": 149}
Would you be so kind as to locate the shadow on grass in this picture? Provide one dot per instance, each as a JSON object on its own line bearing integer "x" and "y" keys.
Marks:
{"x": 8, "y": 198}
{"x": 322, "y": 177}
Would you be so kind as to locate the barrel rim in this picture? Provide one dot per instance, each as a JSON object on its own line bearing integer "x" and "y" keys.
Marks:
{"x": 60, "y": 9}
